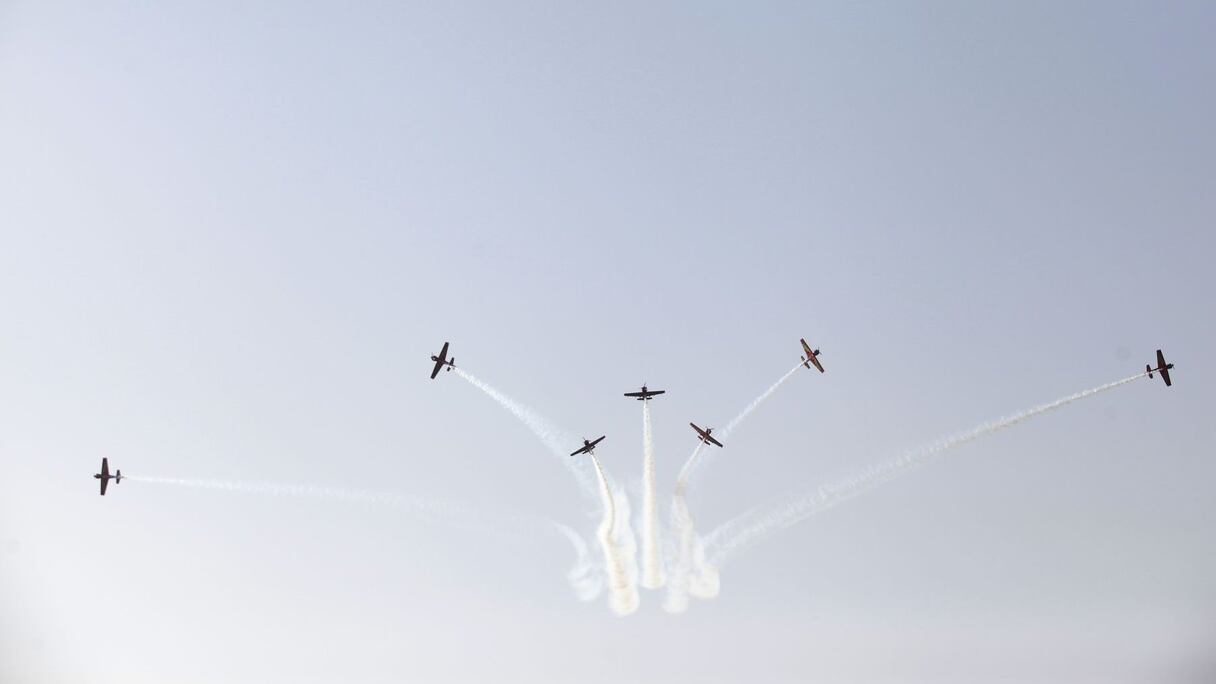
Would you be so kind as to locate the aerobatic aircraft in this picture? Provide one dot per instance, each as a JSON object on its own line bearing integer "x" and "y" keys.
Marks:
{"x": 105, "y": 475}
{"x": 810, "y": 357}
{"x": 646, "y": 394}
{"x": 442, "y": 360}
{"x": 705, "y": 435}
{"x": 588, "y": 446}
{"x": 1162, "y": 367}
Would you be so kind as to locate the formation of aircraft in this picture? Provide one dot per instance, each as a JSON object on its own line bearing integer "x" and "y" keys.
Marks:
{"x": 588, "y": 446}
{"x": 105, "y": 475}
{"x": 705, "y": 435}
{"x": 811, "y": 356}
{"x": 1162, "y": 367}
{"x": 646, "y": 394}
{"x": 442, "y": 360}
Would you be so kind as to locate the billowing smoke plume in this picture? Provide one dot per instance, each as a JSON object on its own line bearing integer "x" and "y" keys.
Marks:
{"x": 623, "y": 594}
{"x": 652, "y": 564}
{"x": 684, "y": 540}
{"x": 757, "y": 523}
{"x": 554, "y": 439}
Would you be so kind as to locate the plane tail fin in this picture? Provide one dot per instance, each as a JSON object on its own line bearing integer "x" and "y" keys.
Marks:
{"x": 1148, "y": 369}
{"x": 117, "y": 476}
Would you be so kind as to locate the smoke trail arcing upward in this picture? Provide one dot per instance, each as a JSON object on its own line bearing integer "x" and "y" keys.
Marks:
{"x": 747, "y": 411}
{"x": 623, "y": 595}
{"x": 691, "y": 464}
{"x": 759, "y": 522}
{"x": 555, "y": 439}
{"x": 652, "y": 567}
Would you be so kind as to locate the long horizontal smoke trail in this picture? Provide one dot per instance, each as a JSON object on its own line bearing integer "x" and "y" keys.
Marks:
{"x": 507, "y": 527}
{"x": 652, "y": 567}
{"x": 759, "y": 522}
{"x": 554, "y": 439}
{"x": 623, "y": 595}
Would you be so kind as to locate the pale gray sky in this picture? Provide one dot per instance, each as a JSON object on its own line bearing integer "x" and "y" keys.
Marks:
{"x": 230, "y": 236}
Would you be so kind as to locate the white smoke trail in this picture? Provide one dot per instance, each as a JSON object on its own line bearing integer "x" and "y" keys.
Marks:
{"x": 691, "y": 464}
{"x": 585, "y": 578}
{"x": 762, "y": 521}
{"x": 652, "y": 567}
{"x": 555, "y": 439}
{"x": 623, "y": 594}
{"x": 684, "y": 534}
{"x": 511, "y": 527}
{"x": 747, "y": 411}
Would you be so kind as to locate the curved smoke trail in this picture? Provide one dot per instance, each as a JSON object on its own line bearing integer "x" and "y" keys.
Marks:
{"x": 652, "y": 567}
{"x": 624, "y": 595}
{"x": 752, "y": 526}
{"x": 686, "y": 543}
{"x": 555, "y": 439}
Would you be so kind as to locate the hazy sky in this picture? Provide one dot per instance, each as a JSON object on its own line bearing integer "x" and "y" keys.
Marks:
{"x": 230, "y": 236}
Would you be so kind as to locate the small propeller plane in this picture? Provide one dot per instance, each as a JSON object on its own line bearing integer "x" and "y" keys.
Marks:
{"x": 646, "y": 394}
{"x": 105, "y": 475}
{"x": 705, "y": 435}
{"x": 811, "y": 356}
{"x": 442, "y": 360}
{"x": 588, "y": 446}
{"x": 1162, "y": 367}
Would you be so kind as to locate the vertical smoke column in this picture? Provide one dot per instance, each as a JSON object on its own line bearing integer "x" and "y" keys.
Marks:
{"x": 652, "y": 569}
{"x": 682, "y": 528}
{"x": 623, "y": 596}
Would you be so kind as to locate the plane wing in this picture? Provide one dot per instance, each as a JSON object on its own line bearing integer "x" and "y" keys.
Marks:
{"x": 712, "y": 440}
{"x": 811, "y": 356}
{"x": 105, "y": 467}
{"x": 1163, "y": 368}
{"x": 443, "y": 355}
{"x": 646, "y": 394}
{"x": 104, "y": 480}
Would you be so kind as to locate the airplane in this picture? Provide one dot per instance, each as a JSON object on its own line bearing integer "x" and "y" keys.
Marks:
{"x": 645, "y": 394}
{"x": 105, "y": 475}
{"x": 810, "y": 356}
{"x": 442, "y": 360}
{"x": 588, "y": 446}
{"x": 1162, "y": 367}
{"x": 705, "y": 435}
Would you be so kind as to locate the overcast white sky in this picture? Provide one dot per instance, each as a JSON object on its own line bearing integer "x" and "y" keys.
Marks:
{"x": 230, "y": 236}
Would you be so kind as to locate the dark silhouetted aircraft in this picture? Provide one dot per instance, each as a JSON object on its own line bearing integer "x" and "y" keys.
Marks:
{"x": 588, "y": 446}
{"x": 442, "y": 360}
{"x": 105, "y": 475}
{"x": 810, "y": 357}
{"x": 645, "y": 394}
{"x": 1162, "y": 367}
{"x": 705, "y": 435}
